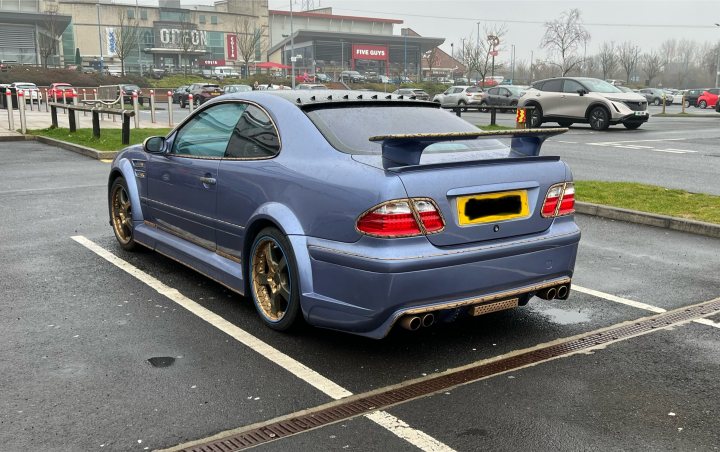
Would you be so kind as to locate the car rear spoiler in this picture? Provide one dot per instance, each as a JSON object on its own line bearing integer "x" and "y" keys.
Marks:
{"x": 406, "y": 149}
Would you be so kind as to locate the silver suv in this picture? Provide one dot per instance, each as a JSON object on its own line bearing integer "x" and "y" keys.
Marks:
{"x": 585, "y": 100}
{"x": 461, "y": 96}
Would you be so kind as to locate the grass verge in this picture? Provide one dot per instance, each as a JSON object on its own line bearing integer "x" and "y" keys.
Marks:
{"x": 652, "y": 199}
{"x": 110, "y": 139}
{"x": 488, "y": 127}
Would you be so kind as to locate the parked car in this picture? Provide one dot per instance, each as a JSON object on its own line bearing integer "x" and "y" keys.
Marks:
{"x": 304, "y": 78}
{"x": 418, "y": 93}
{"x": 379, "y": 78}
{"x": 57, "y": 90}
{"x": 306, "y": 86}
{"x": 29, "y": 90}
{"x": 352, "y": 77}
{"x": 503, "y": 96}
{"x": 425, "y": 238}
{"x": 692, "y": 96}
{"x": 228, "y": 89}
{"x": 112, "y": 92}
{"x": 178, "y": 93}
{"x": 202, "y": 92}
{"x": 708, "y": 98}
{"x": 400, "y": 79}
{"x": 655, "y": 96}
{"x": 568, "y": 100}
{"x": 461, "y": 81}
{"x": 322, "y": 78}
{"x": 460, "y": 96}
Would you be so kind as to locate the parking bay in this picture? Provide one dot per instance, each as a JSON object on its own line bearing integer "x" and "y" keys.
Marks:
{"x": 66, "y": 392}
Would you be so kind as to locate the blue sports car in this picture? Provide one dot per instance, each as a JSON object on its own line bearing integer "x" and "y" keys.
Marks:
{"x": 352, "y": 210}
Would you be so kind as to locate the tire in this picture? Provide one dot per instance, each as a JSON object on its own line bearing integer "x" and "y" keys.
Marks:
{"x": 632, "y": 125}
{"x": 686, "y": 103}
{"x": 462, "y": 105}
{"x": 599, "y": 118}
{"x": 702, "y": 104}
{"x": 121, "y": 214}
{"x": 536, "y": 117}
{"x": 657, "y": 101}
{"x": 273, "y": 280}
{"x": 483, "y": 107}
{"x": 565, "y": 123}
{"x": 182, "y": 103}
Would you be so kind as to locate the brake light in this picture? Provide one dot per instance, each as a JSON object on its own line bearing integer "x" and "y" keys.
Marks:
{"x": 559, "y": 200}
{"x": 399, "y": 219}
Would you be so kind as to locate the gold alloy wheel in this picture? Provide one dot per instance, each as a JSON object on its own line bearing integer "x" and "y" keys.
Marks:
{"x": 271, "y": 279}
{"x": 122, "y": 214}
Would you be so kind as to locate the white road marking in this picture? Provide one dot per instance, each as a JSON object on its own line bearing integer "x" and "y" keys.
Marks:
{"x": 566, "y": 142}
{"x": 323, "y": 384}
{"x": 34, "y": 190}
{"x": 635, "y": 304}
{"x": 630, "y": 145}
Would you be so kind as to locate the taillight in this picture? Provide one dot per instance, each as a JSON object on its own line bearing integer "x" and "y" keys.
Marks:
{"x": 399, "y": 219}
{"x": 559, "y": 201}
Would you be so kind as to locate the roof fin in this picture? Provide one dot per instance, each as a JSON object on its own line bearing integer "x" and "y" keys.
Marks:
{"x": 360, "y": 96}
{"x": 346, "y": 97}
{"x": 312, "y": 98}
{"x": 329, "y": 97}
{"x": 389, "y": 96}
{"x": 298, "y": 100}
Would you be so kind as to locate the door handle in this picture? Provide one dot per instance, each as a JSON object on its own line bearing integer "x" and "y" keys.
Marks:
{"x": 208, "y": 180}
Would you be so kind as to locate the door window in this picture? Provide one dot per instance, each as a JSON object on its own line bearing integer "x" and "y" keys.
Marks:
{"x": 493, "y": 91}
{"x": 254, "y": 136}
{"x": 553, "y": 86}
{"x": 457, "y": 90}
{"x": 207, "y": 134}
{"x": 571, "y": 86}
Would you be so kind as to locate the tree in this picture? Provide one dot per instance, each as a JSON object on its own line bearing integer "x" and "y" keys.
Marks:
{"x": 608, "y": 59}
{"x": 686, "y": 56}
{"x": 78, "y": 59}
{"x": 189, "y": 40}
{"x": 49, "y": 34}
{"x": 628, "y": 56}
{"x": 652, "y": 65}
{"x": 431, "y": 58}
{"x": 249, "y": 39}
{"x": 123, "y": 39}
{"x": 479, "y": 57}
{"x": 563, "y": 38}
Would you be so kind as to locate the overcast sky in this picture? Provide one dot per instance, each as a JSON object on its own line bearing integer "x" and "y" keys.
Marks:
{"x": 645, "y": 22}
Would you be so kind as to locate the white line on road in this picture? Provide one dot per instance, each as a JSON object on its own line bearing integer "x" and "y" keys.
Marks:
{"x": 635, "y": 304}
{"x": 323, "y": 384}
{"x": 566, "y": 142}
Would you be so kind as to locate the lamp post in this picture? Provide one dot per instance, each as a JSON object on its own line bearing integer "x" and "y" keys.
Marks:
{"x": 137, "y": 19}
{"x": 292, "y": 47}
{"x": 512, "y": 65}
{"x": 100, "y": 39}
{"x": 717, "y": 65}
{"x": 404, "y": 53}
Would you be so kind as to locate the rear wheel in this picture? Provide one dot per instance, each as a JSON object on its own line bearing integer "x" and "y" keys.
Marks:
{"x": 274, "y": 280}
{"x": 536, "y": 118}
{"x": 657, "y": 101}
{"x": 483, "y": 107}
{"x": 686, "y": 103}
{"x": 599, "y": 118}
{"x": 702, "y": 104}
{"x": 462, "y": 105}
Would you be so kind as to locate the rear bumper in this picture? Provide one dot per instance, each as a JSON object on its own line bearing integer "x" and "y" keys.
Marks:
{"x": 365, "y": 287}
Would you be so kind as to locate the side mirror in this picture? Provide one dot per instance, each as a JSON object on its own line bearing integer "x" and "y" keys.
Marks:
{"x": 507, "y": 94}
{"x": 582, "y": 91}
{"x": 154, "y": 145}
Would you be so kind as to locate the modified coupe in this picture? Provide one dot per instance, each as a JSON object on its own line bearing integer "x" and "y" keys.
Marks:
{"x": 355, "y": 211}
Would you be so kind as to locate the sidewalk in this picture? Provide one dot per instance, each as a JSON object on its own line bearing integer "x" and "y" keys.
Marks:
{"x": 41, "y": 120}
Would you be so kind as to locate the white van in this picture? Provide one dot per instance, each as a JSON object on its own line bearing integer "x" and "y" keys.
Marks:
{"x": 221, "y": 72}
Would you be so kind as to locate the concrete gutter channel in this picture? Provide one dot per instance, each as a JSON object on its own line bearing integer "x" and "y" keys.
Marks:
{"x": 586, "y": 208}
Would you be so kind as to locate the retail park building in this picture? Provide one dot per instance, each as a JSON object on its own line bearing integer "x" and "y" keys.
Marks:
{"x": 172, "y": 35}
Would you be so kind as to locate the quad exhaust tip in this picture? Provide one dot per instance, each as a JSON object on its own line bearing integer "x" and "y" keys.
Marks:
{"x": 414, "y": 322}
{"x": 560, "y": 292}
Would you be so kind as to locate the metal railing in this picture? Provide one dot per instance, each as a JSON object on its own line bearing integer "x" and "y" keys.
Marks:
{"x": 96, "y": 112}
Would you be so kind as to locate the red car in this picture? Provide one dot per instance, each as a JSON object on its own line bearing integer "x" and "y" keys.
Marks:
{"x": 708, "y": 98}
{"x": 57, "y": 89}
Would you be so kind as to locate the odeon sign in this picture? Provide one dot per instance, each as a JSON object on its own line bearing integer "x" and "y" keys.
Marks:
{"x": 173, "y": 37}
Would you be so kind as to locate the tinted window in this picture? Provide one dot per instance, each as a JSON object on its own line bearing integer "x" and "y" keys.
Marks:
{"x": 254, "y": 136}
{"x": 714, "y": 91}
{"x": 493, "y": 91}
{"x": 473, "y": 89}
{"x": 553, "y": 86}
{"x": 207, "y": 134}
{"x": 457, "y": 90}
{"x": 571, "y": 86}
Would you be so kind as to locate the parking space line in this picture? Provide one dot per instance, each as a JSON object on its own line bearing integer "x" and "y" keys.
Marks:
{"x": 635, "y": 304}
{"x": 313, "y": 378}
{"x": 35, "y": 190}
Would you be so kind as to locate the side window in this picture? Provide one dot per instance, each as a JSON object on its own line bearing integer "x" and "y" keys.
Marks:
{"x": 473, "y": 89}
{"x": 493, "y": 91}
{"x": 715, "y": 91}
{"x": 457, "y": 90}
{"x": 207, "y": 134}
{"x": 553, "y": 86}
{"x": 254, "y": 136}
{"x": 571, "y": 86}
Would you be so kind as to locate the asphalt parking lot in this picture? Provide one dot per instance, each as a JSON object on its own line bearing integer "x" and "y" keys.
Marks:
{"x": 108, "y": 350}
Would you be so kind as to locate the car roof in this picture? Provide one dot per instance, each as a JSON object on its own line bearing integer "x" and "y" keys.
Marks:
{"x": 305, "y": 98}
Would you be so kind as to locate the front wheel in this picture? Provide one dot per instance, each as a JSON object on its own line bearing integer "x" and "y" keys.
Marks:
{"x": 702, "y": 104}
{"x": 274, "y": 280}
{"x": 599, "y": 118}
{"x": 121, "y": 214}
{"x": 536, "y": 118}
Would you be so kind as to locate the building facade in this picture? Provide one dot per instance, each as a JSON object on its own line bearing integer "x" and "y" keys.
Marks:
{"x": 28, "y": 35}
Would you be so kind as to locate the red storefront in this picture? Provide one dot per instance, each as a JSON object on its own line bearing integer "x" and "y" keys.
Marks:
{"x": 362, "y": 53}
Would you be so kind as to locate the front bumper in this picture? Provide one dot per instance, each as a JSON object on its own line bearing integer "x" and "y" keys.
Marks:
{"x": 365, "y": 287}
{"x": 634, "y": 117}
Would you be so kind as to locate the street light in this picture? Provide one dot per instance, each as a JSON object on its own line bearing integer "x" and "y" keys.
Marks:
{"x": 137, "y": 19}
{"x": 292, "y": 47}
{"x": 717, "y": 65}
{"x": 100, "y": 38}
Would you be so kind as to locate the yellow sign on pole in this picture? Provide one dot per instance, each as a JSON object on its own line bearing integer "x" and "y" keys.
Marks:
{"x": 520, "y": 118}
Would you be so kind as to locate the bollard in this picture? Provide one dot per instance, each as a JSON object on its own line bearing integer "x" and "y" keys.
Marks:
{"x": 663, "y": 110}
{"x": 11, "y": 116}
{"x": 682, "y": 101}
{"x": 191, "y": 103}
{"x": 21, "y": 108}
{"x": 136, "y": 109}
{"x": 84, "y": 103}
{"x": 64, "y": 97}
{"x": 75, "y": 102}
{"x": 520, "y": 118}
{"x": 170, "y": 108}
{"x": 72, "y": 125}
{"x": 30, "y": 98}
{"x": 122, "y": 101}
{"x": 94, "y": 93}
{"x": 152, "y": 106}
{"x": 96, "y": 123}
{"x": 493, "y": 116}
{"x": 47, "y": 99}
{"x": 125, "y": 128}
{"x": 53, "y": 117}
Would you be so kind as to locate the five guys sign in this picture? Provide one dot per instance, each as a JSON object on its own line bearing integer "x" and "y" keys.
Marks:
{"x": 367, "y": 52}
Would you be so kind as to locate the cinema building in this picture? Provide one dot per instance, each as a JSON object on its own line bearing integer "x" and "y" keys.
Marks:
{"x": 330, "y": 43}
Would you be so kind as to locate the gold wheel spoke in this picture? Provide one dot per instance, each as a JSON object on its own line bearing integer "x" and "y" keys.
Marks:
{"x": 262, "y": 279}
{"x": 269, "y": 259}
{"x": 282, "y": 265}
{"x": 284, "y": 292}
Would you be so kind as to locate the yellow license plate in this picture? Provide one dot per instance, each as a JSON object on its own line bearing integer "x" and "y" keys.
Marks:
{"x": 492, "y": 207}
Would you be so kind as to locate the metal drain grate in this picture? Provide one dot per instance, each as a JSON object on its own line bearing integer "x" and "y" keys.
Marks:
{"x": 363, "y": 404}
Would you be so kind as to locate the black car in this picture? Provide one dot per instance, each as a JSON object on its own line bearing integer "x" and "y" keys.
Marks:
{"x": 178, "y": 93}
{"x": 201, "y": 93}
{"x": 128, "y": 90}
{"x": 692, "y": 95}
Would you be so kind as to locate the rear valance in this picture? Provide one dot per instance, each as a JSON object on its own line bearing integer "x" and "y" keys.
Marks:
{"x": 407, "y": 149}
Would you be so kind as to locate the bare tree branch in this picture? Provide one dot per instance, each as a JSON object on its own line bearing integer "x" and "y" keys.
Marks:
{"x": 652, "y": 65}
{"x": 126, "y": 38}
{"x": 608, "y": 59}
{"x": 249, "y": 39}
{"x": 628, "y": 57}
{"x": 49, "y": 34}
{"x": 563, "y": 38}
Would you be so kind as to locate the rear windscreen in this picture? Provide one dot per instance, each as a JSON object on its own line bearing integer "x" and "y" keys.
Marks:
{"x": 349, "y": 129}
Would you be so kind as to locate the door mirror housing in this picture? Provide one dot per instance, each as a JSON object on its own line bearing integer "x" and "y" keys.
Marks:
{"x": 154, "y": 145}
{"x": 582, "y": 91}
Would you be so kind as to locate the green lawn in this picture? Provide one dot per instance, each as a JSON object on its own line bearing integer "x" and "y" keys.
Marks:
{"x": 488, "y": 127}
{"x": 649, "y": 198}
{"x": 110, "y": 139}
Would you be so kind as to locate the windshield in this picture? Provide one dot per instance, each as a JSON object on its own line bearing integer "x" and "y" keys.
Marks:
{"x": 515, "y": 90}
{"x": 599, "y": 86}
{"x": 350, "y": 131}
